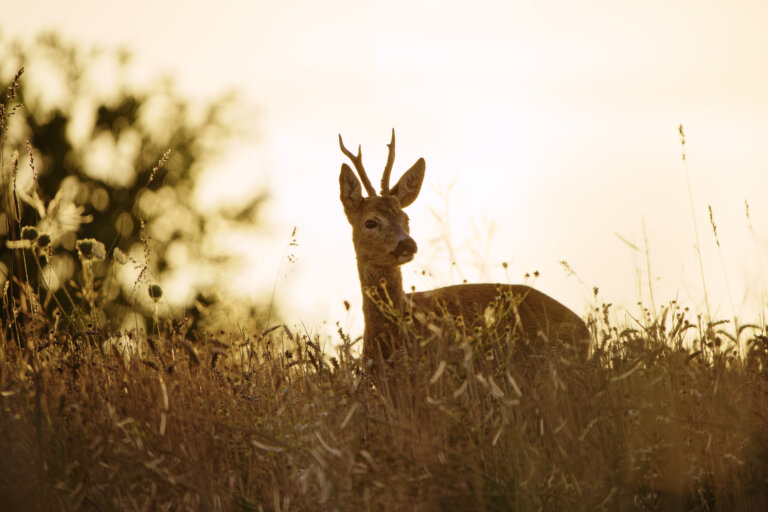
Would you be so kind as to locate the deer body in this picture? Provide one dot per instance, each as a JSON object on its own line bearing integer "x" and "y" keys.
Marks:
{"x": 380, "y": 234}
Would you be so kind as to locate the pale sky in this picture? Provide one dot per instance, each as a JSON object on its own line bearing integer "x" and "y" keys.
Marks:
{"x": 554, "y": 120}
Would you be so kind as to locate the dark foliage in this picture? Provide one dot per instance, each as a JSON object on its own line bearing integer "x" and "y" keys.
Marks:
{"x": 116, "y": 164}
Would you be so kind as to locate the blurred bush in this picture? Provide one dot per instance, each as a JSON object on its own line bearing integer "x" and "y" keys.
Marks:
{"x": 87, "y": 154}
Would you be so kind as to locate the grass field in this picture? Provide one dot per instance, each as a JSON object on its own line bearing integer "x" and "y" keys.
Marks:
{"x": 269, "y": 422}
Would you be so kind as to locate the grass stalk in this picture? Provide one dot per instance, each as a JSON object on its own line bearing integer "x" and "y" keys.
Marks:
{"x": 695, "y": 224}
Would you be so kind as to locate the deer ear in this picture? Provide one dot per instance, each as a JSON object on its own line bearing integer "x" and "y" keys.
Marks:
{"x": 407, "y": 189}
{"x": 351, "y": 191}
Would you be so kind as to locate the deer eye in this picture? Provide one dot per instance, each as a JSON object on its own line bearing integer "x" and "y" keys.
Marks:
{"x": 371, "y": 224}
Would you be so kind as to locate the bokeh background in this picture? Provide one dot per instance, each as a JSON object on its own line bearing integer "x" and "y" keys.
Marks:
{"x": 550, "y": 131}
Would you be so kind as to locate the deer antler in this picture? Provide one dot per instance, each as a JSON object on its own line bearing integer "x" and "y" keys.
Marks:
{"x": 358, "y": 163}
{"x": 388, "y": 168}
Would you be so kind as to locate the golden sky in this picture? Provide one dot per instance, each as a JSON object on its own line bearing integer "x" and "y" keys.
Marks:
{"x": 554, "y": 122}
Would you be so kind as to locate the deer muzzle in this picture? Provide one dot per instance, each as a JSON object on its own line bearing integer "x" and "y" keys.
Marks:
{"x": 405, "y": 250}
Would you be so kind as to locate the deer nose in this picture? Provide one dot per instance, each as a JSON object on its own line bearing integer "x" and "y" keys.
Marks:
{"x": 405, "y": 247}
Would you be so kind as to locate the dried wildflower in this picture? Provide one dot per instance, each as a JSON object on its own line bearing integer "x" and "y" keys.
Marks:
{"x": 155, "y": 292}
{"x": 85, "y": 248}
{"x": 120, "y": 256}
{"x": 29, "y": 233}
{"x": 89, "y": 249}
{"x": 43, "y": 240}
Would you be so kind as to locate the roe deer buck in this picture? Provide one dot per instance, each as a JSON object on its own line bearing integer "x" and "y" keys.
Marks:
{"x": 382, "y": 243}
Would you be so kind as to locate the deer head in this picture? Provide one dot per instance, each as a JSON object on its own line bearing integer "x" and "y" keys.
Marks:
{"x": 380, "y": 230}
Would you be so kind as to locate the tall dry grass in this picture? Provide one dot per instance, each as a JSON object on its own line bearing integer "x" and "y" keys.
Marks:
{"x": 207, "y": 423}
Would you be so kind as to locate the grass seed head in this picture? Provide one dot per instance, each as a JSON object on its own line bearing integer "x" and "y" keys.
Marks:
{"x": 15, "y": 83}
{"x": 155, "y": 292}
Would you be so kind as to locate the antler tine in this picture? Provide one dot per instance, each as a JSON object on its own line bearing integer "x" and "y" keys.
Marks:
{"x": 358, "y": 163}
{"x": 388, "y": 168}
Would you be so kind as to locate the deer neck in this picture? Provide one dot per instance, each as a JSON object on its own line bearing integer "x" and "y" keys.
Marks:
{"x": 383, "y": 300}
